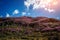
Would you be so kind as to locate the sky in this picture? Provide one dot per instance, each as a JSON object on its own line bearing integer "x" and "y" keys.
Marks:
{"x": 32, "y": 8}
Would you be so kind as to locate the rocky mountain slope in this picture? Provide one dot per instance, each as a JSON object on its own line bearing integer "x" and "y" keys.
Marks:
{"x": 28, "y": 28}
{"x": 43, "y": 23}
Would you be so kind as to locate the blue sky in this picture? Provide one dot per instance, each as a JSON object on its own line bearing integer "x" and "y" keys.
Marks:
{"x": 18, "y": 8}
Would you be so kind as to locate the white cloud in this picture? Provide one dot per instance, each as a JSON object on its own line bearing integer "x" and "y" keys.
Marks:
{"x": 16, "y": 11}
{"x": 7, "y": 15}
{"x": 27, "y": 4}
{"x": 41, "y": 4}
{"x": 23, "y": 13}
{"x": 49, "y": 10}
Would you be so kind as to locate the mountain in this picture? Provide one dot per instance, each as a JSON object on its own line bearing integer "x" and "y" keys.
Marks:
{"x": 43, "y": 23}
{"x": 29, "y": 19}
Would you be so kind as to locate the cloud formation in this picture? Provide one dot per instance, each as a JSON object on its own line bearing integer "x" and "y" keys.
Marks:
{"x": 45, "y": 4}
{"x": 16, "y": 11}
{"x": 7, "y": 15}
{"x": 23, "y": 13}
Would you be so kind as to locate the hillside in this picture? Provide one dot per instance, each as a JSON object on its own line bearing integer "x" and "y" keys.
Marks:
{"x": 22, "y": 28}
{"x": 29, "y": 21}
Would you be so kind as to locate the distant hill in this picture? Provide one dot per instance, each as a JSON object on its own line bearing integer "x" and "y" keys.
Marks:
{"x": 29, "y": 19}
{"x": 40, "y": 22}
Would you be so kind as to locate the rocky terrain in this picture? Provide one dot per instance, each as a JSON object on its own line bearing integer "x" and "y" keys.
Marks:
{"x": 21, "y": 27}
